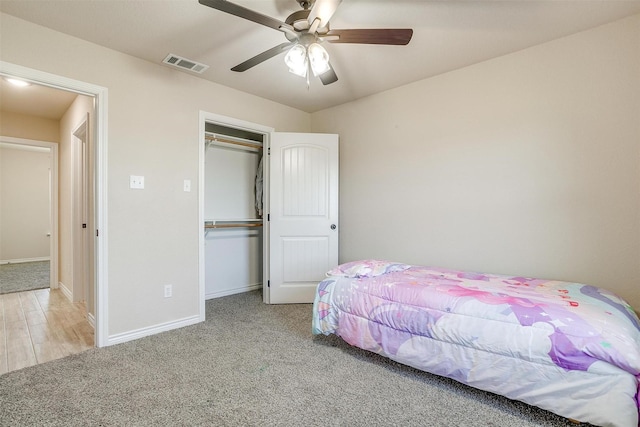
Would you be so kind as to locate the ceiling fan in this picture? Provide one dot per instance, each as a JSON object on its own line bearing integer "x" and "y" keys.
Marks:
{"x": 305, "y": 31}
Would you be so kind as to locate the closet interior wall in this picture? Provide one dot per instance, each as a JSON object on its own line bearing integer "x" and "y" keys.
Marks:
{"x": 233, "y": 225}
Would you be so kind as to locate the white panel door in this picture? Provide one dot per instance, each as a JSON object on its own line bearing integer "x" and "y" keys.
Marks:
{"x": 303, "y": 214}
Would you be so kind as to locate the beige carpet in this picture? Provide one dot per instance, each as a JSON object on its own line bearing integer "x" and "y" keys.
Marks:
{"x": 24, "y": 276}
{"x": 249, "y": 364}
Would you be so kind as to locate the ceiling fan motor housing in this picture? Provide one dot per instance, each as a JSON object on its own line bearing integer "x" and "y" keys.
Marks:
{"x": 306, "y": 4}
{"x": 299, "y": 21}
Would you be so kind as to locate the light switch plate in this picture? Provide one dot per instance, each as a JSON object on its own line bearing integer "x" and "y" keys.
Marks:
{"x": 187, "y": 185}
{"x": 136, "y": 182}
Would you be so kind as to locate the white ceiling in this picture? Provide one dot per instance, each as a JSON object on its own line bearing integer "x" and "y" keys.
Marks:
{"x": 448, "y": 35}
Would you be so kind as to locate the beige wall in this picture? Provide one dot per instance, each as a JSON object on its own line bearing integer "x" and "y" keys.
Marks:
{"x": 528, "y": 164}
{"x": 153, "y": 114}
{"x": 29, "y": 127}
{"x": 24, "y": 203}
{"x": 26, "y": 127}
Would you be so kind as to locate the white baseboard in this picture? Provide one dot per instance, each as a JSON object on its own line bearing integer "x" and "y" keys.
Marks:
{"x": 233, "y": 291}
{"x": 152, "y": 330}
{"x": 21, "y": 260}
{"x": 67, "y": 293}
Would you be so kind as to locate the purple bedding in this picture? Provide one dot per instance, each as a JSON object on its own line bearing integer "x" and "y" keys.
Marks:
{"x": 570, "y": 348}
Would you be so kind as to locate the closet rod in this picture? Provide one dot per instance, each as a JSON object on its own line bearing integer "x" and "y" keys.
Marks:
{"x": 215, "y": 138}
{"x": 232, "y": 225}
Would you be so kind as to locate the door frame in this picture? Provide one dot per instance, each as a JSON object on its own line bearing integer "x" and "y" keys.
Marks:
{"x": 204, "y": 118}
{"x": 99, "y": 137}
{"x": 53, "y": 199}
{"x": 80, "y": 211}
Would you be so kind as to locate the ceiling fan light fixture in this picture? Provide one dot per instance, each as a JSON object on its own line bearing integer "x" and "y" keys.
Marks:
{"x": 319, "y": 59}
{"x": 296, "y": 60}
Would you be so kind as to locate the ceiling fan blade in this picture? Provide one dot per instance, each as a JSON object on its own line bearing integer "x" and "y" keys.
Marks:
{"x": 328, "y": 76}
{"x": 397, "y": 36}
{"x": 243, "y": 12}
{"x": 267, "y": 54}
{"x": 324, "y": 10}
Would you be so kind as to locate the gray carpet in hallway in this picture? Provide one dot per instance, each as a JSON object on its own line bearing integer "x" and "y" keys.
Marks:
{"x": 249, "y": 364}
{"x": 24, "y": 276}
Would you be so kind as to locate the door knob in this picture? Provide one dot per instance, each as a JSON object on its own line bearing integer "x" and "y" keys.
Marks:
{"x": 333, "y": 226}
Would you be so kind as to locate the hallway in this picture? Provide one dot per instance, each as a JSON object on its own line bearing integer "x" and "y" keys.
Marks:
{"x": 41, "y": 325}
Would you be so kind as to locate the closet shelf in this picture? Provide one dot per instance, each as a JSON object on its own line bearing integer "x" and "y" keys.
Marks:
{"x": 232, "y": 223}
{"x": 227, "y": 140}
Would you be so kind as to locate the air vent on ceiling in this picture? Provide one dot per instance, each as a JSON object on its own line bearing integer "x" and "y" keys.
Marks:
{"x": 184, "y": 63}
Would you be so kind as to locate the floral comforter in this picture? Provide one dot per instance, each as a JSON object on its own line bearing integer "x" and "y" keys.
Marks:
{"x": 569, "y": 348}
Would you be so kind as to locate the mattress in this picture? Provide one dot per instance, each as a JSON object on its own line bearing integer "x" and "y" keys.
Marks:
{"x": 569, "y": 348}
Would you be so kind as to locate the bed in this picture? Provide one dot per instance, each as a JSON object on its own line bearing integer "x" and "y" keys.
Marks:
{"x": 569, "y": 348}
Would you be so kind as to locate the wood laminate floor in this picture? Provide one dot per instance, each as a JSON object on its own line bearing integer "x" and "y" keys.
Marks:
{"x": 39, "y": 326}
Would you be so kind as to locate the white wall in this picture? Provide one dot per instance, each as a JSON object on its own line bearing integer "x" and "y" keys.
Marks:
{"x": 153, "y": 114}
{"x": 527, "y": 164}
{"x": 24, "y": 203}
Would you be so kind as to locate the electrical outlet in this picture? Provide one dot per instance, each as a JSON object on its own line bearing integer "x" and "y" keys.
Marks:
{"x": 136, "y": 182}
{"x": 168, "y": 291}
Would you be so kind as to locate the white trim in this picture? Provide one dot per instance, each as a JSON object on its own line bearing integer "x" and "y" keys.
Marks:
{"x": 101, "y": 191}
{"x": 266, "y": 229}
{"x": 66, "y": 291}
{"x": 79, "y": 140}
{"x": 52, "y": 148}
{"x": 19, "y": 146}
{"x": 47, "y": 79}
{"x": 224, "y": 121}
{"x": 152, "y": 330}
{"x": 233, "y": 291}
{"x": 21, "y": 260}
{"x": 200, "y": 224}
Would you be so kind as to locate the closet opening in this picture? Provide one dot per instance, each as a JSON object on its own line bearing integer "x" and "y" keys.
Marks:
{"x": 233, "y": 210}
